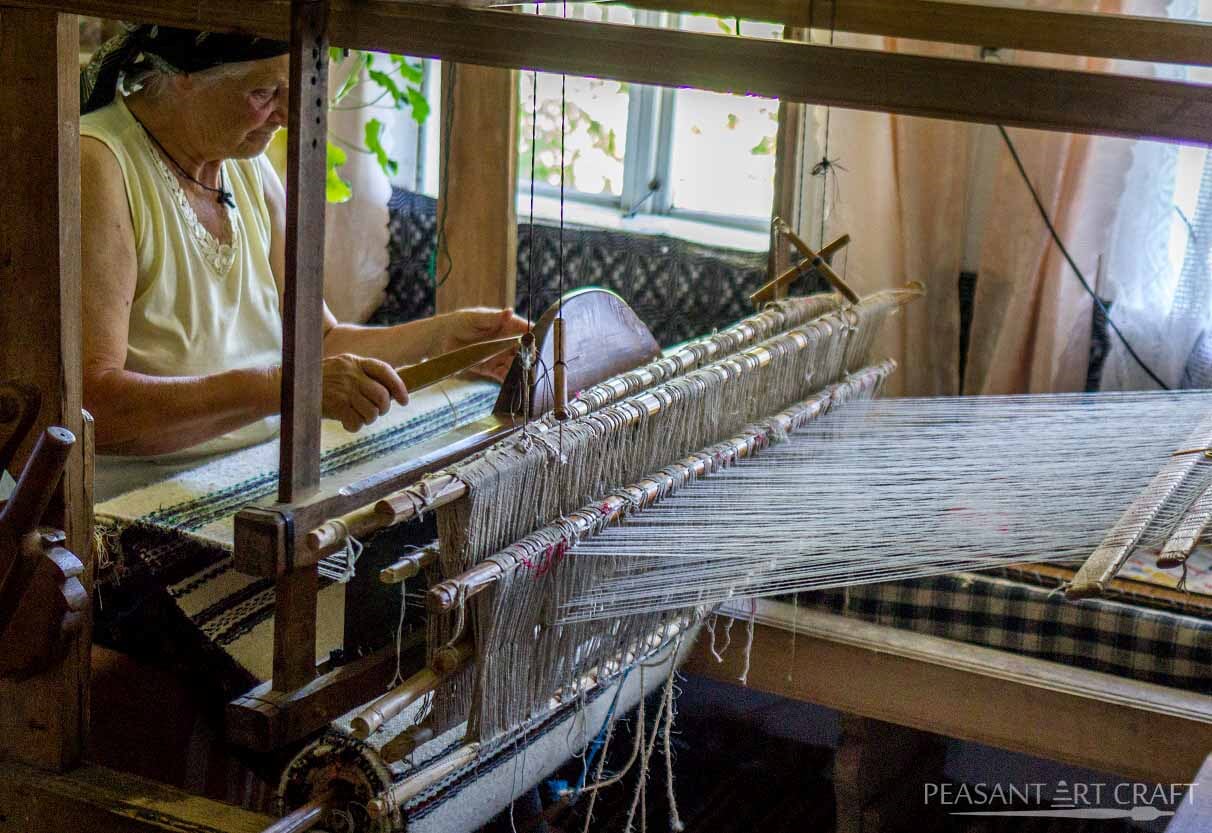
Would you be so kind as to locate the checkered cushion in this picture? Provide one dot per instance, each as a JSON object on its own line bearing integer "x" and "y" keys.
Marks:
{"x": 1127, "y": 640}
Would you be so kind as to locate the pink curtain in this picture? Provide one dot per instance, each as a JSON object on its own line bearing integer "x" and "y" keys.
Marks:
{"x": 903, "y": 197}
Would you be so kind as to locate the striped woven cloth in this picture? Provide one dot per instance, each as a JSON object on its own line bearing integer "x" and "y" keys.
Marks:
{"x": 167, "y": 585}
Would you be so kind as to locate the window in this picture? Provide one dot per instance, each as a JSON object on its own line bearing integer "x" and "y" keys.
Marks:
{"x": 650, "y": 151}
{"x": 632, "y": 151}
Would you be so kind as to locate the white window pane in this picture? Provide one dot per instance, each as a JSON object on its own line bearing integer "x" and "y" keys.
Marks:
{"x": 723, "y": 145}
{"x": 595, "y": 120}
{"x": 723, "y": 153}
{"x": 595, "y": 125}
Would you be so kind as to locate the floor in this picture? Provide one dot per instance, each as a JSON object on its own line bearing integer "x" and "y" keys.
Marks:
{"x": 750, "y": 763}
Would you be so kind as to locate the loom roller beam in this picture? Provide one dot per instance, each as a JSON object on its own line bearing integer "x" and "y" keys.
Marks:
{"x": 409, "y": 502}
{"x": 443, "y": 488}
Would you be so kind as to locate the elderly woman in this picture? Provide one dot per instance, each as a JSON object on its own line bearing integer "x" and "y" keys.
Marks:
{"x": 184, "y": 227}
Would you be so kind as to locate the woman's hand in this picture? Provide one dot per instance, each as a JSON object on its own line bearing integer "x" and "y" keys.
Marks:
{"x": 471, "y": 326}
{"x": 359, "y": 390}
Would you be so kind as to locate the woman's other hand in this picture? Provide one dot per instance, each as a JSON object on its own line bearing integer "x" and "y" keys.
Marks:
{"x": 358, "y": 390}
{"x": 471, "y": 326}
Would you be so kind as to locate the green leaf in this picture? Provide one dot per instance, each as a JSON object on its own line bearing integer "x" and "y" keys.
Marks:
{"x": 337, "y": 53}
{"x": 733, "y": 121}
{"x": 389, "y": 84}
{"x": 336, "y": 189}
{"x": 764, "y": 147}
{"x": 374, "y": 143}
{"x": 414, "y": 74}
{"x": 419, "y": 105}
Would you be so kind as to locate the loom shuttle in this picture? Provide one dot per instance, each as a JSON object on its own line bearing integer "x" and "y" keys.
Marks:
{"x": 430, "y": 372}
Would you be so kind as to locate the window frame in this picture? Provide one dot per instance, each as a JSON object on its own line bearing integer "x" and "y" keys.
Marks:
{"x": 647, "y": 157}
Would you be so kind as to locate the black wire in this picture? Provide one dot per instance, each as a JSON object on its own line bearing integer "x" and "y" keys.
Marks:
{"x": 1098, "y": 302}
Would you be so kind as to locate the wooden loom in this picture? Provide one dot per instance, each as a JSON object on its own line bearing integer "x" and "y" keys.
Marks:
{"x": 43, "y": 719}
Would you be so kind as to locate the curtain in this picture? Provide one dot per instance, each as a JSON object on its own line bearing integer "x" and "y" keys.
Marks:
{"x": 897, "y": 185}
{"x": 1158, "y": 272}
{"x": 903, "y": 197}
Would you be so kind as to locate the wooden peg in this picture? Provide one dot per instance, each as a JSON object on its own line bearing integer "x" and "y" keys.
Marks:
{"x": 408, "y": 566}
{"x": 559, "y": 369}
{"x": 527, "y": 351}
{"x": 407, "y": 742}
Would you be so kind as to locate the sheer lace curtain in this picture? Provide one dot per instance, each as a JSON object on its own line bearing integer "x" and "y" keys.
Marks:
{"x": 1158, "y": 273}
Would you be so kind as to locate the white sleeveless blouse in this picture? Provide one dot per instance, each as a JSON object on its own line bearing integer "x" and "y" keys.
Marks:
{"x": 200, "y": 306}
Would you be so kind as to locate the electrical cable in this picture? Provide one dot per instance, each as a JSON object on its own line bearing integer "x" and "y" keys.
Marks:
{"x": 1056, "y": 238}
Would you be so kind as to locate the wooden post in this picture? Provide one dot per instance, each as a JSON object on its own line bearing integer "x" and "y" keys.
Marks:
{"x": 303, "y": 347}
{"x": 788, "y": 162}
{"x": 43, "y": 720}
{"x": 477, "y": 260}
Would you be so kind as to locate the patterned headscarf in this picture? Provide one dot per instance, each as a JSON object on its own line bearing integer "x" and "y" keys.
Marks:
{"x": 169, "y": 49}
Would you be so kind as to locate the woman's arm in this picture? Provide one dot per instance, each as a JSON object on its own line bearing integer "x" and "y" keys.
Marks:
{"x": 401, "y": 344}
{"x": 139, "y": 414}
{"x": 136, "y": 413}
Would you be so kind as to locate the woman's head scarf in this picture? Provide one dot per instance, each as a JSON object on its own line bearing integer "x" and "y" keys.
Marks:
{"x": 169, "y": 49}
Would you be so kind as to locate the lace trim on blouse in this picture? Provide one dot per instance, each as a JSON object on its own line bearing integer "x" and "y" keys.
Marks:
{"x": 221, "y": 256}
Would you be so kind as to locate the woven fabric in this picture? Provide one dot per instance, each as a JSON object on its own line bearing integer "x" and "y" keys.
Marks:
{"x": 1127, "y": 640}
{"x": 168, "y": 590}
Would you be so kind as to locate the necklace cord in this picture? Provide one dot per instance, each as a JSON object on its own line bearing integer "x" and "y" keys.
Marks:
{"x": 222, "y": 195}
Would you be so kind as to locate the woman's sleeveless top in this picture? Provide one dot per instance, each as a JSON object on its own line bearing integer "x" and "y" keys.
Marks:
{"x": 200, "y": 306}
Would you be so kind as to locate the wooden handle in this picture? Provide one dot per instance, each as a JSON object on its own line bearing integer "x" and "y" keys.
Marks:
{"x": 407, "y": 742}
{"x": 407, "y": 693}
{"x": 394, "y": 702}
{"x": 426, "y": 373}
{"x": 34, "y": 490}
{"x": 559, "y": 370}
{"x": 408, "y": 566}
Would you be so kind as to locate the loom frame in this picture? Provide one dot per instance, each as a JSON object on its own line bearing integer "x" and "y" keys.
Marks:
{"x": 43, "y": 720}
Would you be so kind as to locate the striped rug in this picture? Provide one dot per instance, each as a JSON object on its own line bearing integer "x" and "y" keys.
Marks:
{"x": 167, "y": 549}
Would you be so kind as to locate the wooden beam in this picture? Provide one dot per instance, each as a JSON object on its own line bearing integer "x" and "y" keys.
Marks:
{"x": 302, "y": 329}
{"x": 302, "y": 322}
{"x": 1076, "y": 716}
{"x": 265, "y": 719}
{"x": 43, "y": 720}
{"x": 102, "y": 800}
{"x": 788, "y": 163}
{"x": 1033, "y": 97}
{"x": 1083, "y": 102}
{"x": 1090, "y": 34}
{"x": 477, "y": 205}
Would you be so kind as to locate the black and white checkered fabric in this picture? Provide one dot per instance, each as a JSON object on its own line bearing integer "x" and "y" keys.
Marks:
{"x": 1128, "y": 640}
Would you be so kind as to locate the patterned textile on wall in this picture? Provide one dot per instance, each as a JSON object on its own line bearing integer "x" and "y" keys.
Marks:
{"x": 679, "y": 289}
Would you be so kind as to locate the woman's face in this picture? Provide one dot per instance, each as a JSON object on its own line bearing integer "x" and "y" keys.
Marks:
{"x": 238, "y": 115}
